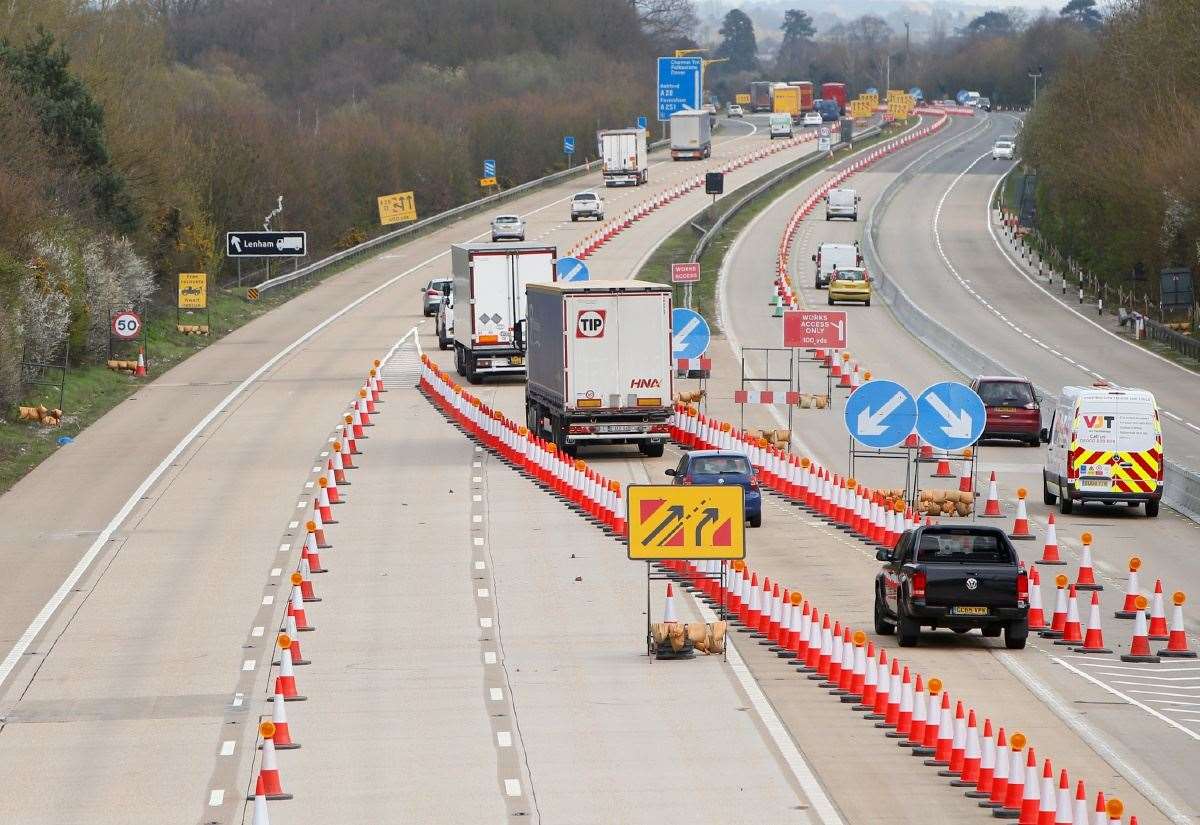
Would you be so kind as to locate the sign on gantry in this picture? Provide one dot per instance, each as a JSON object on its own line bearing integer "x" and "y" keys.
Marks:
{"x": 693, "y": 522}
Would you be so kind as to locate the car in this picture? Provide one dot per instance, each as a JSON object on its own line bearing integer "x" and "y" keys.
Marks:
{"x": 508, "y": 228}
{"x": 433, "y": 292}
{"x": 736, "y": 110}
{"x": 832, "y": 256}
{"x": 812, "y": 119}
{"x": 850, "y": 284}
{"x": 842, "y": 203}
{"x": 984, "y": 103}
{"x": 722, "y": 467}
{"x": 1003, "y": 149}
{"x": 586, "y": 205}
{"x": 956, "y": 577}
{"x": 1013, "y": 408}
{"x": 445, "y": 322}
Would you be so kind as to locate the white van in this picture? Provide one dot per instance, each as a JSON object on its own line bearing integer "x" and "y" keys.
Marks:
{"x": 1104, "y": 445}
{"x": 831, "y": 256}
{"x": 842, "y": 203}
{"x": 781, "y": 125}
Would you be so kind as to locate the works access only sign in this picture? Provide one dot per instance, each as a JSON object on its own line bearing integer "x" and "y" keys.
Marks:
{"x": 686, "y": 522}
{"x": 813, "y": 329}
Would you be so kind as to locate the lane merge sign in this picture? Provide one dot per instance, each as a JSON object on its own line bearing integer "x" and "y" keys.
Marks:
{"x": 254, "y": 244}
{"x": 685, "y": 273}
{"x": 686, "y": 522}
{"x": 678, "y": 85}
{"x": 489, "y": 168}
{"x": 880, "y": 414}
{"x": 568, "y": 145}
{"x": 571, "y": 269}
{"x": 814, "y": 329}
{"x": 126, "y": 325}
{"x": 690, "y": 334}
{"x": 950, "y": 416}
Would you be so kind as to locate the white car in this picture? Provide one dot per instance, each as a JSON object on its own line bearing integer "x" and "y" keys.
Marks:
{"x": 508, "y": 228}
{"x": 812, "y": 119}
{"x": 1003, "y": 150}
{"x": 736, "y": 110}
{"x": 586, "y": 205}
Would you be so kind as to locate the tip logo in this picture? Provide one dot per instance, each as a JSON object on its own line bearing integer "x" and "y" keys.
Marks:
{"x": 590, "y": 323}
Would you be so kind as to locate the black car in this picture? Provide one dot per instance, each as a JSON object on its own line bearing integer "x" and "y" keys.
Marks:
{"x": 958, "y": 578}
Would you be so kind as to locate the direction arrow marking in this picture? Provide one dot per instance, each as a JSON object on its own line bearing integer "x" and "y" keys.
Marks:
{"x": 674, "y": 515}
{"x": 869, "y": 423}
{"x": 680, "y": 342}
{"x": 711, "y": 514}
{"x": 959, "y": 423}
{"x": 237, "y": 243}
{"x": 569, "y": 275}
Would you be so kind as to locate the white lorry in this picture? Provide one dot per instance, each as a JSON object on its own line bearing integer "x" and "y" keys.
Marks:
{"x": 624, "y": 156}
{"x": 489, "y": 300}
{"x": 691, "y": 134}
{"x": 832, "y": 256}
{"x": 600, "y": 369}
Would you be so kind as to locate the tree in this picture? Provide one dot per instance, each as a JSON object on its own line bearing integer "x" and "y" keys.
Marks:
{"x": 990, "y": 24}
{"x": 738, "y": 42}
{"x": 1082, "y": 12}
{"x": 666, "y": 22}
{"x": 798, "y": 32}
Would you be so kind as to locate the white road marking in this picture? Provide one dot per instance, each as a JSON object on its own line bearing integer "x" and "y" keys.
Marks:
{"x": 512, "y": 787}
{"x": 480, "y": 565}
{"x": 476, "y": 479}
{"x": 308, "y": 485}
{"x": 292, "y": 525}
{"x": 216, "y": 799}
{"x": 268, "y": 600}
{"x": 476, "y": 498}
{"x": 285, "y": 548}
{"x": 316, "y": 469}
{"x": 478, "y": 541}
{"x": 496, "y": 694}
{"x": 485, "y": 621}
{"x": 489, "y": 657}
{"x": 301, "y": 505}
{"x": 227, "y": 747}
{"x": 476, "y": 519}
{"x": 238, "y": 698}
{"x": 249, "y": 664}
{"x": 504, "y": 739}
{"x": 482, "y": 593}
{"x": 258, "y": 631}
{"x": 276, "y": 571}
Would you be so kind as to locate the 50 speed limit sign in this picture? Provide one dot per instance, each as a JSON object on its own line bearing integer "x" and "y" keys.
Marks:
{"x": 126, "y": 325}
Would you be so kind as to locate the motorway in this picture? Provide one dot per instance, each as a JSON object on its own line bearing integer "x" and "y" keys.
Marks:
{"x": 476, "y": 652}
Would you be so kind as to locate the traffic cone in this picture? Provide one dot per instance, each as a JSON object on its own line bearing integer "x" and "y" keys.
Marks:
{"x": 1063, "y": 815}
{"x": 1047, "y": 797}
{"x": 958, "y": 744}
{"x": 1036, "y": 616}
{"x": 319, "y": 526}
{"x": 336, "y": 464}
{"x": 1101, "y": 812}
{"x": 920, "y": 712}
{"x": 1086, "y": 578}
{"x": 1139, "y": 646}
{"x": 943, "y": 467}
{"x": 322, "y": 504}
{"x": 1177, "y": 644}
{"x": 870, "y": 683}
{"x": 1093, "y": 642}
{"x": 904, "y": 708}
{"x": 1020, "y": 529}
{"x": 944, "y": 742}
{"x": 1058, "y": 620}
{"x": 1158, "y": 616}
{"x": 669, "y": 607}
{"x": 1015, "y": 794}
{"x": 987, "y": 764}
{"x": 1129, "y": 608}
{"x": 282, "y": 737}
{"x": 972, "y": 756}
{"x": 891, "y": 709}
{"x": 310, "y": 549}
{"x": 295, "y": 607}
{"x": 1050, "y": 549}
{"x": 882, "y": 686}
{"x": 964, "y": 473}
{"x": 140, "y": 372}
{"x": 260, "y": 804}
{"x": 999, "y": 773}
{"x": 1080, "y": 810}
{"x": 306, "y": 587}
{"x": 1072, "y": 630}
{"x": 285, "y": 681}
{"x": 991, "y": 508}
{"x": 933, "y": 720}
{"x": 268, "y": 772}
{"x": 349, "y": 443}
{"x": 289, "y": 627}
{"x": 858, "y": 673}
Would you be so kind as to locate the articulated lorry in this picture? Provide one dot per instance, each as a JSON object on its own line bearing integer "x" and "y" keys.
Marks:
{"x": 691, "y": 134}
{"x": 624, "y": 155}
{"x": 489, "y": 301}
{"x": 760, "y": 96}
{"x": 599, "y": 357}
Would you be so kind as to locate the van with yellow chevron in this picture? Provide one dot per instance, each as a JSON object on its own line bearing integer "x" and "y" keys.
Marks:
{"x": 1104, "y": 445}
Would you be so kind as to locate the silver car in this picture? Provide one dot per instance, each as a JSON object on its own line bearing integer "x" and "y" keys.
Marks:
{"x": 1003, "y": 149}
{"x": 433, "y": 292}
{"x": 508, "y": 228}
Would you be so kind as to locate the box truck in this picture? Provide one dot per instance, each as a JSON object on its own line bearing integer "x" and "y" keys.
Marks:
{"x": 600, "y": 364}
{"x": 489, "y": 300}
{"x": 806, "y": 93}
{"x": 691, "y": 134}
{"x": 786, "y": 100}
{"x": 760, "y": 96}
{"x": 624, "y": 157}
{"x": 835, "y": 91}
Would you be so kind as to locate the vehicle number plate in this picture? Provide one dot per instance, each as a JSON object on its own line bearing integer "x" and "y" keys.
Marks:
{"x": 620, "y": 428}
{"x": 969, "y": 611}
{"x": 1006, "y": 409}
{"x": 1093, "y": 482}
{"x": 516, "y": 360}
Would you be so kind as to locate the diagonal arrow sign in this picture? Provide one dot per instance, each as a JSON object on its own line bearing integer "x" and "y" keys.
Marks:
{"x": 680, "y": 340}
{"x": 869, "y": 423}
{"x": 570, "y": 274}
{"x": 674, "y": 515}
{"x": 959, "y": 422}
{"x": 711, "y": 514}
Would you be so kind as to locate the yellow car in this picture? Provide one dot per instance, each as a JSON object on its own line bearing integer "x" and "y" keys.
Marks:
{"x": 850, "y": 285}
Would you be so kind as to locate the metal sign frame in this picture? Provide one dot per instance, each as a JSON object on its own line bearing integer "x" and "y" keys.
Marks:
{"x": 790, "y": 381}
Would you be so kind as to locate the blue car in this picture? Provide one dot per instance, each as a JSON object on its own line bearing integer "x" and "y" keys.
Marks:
{"x": 722, "y": 467}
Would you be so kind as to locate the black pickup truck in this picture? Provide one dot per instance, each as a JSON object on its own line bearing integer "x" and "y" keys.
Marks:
{"x": 953, "y": 577}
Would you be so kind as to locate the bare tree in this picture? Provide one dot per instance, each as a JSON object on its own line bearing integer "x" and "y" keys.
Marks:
{"x": 666, "y": 21}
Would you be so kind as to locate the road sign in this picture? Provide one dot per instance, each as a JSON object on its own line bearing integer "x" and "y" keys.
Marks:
{"x": 742, "y": 99}
{"x": 642, "y": 122}
{"x": 193, "y": 290}
{"x": 808, "y": 329}
{"x": 714, "y": 183}
{"x": 589, "y": 323}
{"x": 126, "y": 325}
{"x": 880, "y": 414}
{"x": 397, "y": 208}
{"x": 686, "y": 273}
{"x": 950, "y": 416}
{"x": 678, "y": 85}
{"x": 489, "y": 168}
{"x": 568, "y": 145}
{"x": 255, "y": 244}
{"x": 694, "y": 522}
{"x": 823, "y": 144}
{"x": 571, "y": 269}
{"x": 487, "y": 181}
{"x": 689, "y": 334}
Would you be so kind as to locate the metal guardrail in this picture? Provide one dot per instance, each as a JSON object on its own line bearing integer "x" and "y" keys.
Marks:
{"x": 1183, "y": 344}
{"x": 388, "y": 238}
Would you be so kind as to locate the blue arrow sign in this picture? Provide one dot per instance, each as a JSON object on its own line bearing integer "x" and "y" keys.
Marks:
{"x": 642, "y": 122}
{"x": 678, "y": 85}
{"x": 689, "y": 334}
{"x": 950, "y": 416}
{"x": 571, "y": 269}
{"x": 568, "y": 145}
{"x": 880, "y": 414}
{"x": 489, "y": 168}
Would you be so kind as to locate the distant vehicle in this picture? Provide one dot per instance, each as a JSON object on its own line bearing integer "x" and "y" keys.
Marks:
{"x": 958, "y": 578}
{"x": 691, "y": 134}
{"x": 736, "y": 110}
{"x": 831, "y": 256}
{"x": 813, "y": 119}
{"x": 489, "y": 284}
{"x": 969, "y": 99}
{"x": 600, "y": 368}
{"x": 984, "y": 103}
{"x": 786, "y": 99}
{"x": 433, "y": 292}
{"x": 1003, "y": 149}
{"x": 722, "y": 467}
{"x": 1104, "y": 445}
{"x": 1013, "y": 408}
{"x": 781, "y": 125}
{"x": 624, "y": 158}
{"x": 508, "y": 228}
{"x": 586, "y": 205}
{"x": 760, "y": 96}
{"x": 445, "y": 322}
{"x": 806, "y": 93}
{"x": 835, "y": 92}
{"x": 842, "y": 203}
{"x": 850, "y": 284}
{"x": 917, "y": 94}
{"x": 829, "y": 110}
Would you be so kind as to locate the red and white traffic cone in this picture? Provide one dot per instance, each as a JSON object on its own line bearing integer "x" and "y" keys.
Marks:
{"x": 972, "y": 756}
{"x": 1047, "y": 797}
{"x": 1093, "y": 642}
{"x": 293, "y": 633}
{"x": 927, "y": 746}
{"x": 1058, "y": 620}
{"x": 1158, "y": 616}
{"x": 987, "y": 764}
{"x": 944, "y": 741}
{"x": 1017, "y": 770}
{"x": 964, "y": 474}
{"x": 991, "y": 508}
{"x": 1080, "y": 811}
{"x": 140, "y": 372}
{"x": 1004, "y": 758}
{"x": 1086, "y": 578}
{"x": 307, "y": 593}
{"x": 322, "y": 503}
{"x": 904, "y": 709}
{"x": 920, "y": 712}
{"x": 283, "y": 735}
{"x": 882, "y": 688}
{"x": 349, "y": 434}
{"x": 285, "y": 680}
{"x": 295, "y": 607}
{"x": 1036, "y": 615}
{"x": 319, "y": 527}
{"x": 379, "y": 379}
{"x": 1073, "y": 630}
{"x": 268, "y": 772}
{"x": 1101, "y": 810}
{"x": 669, "y": 616}
{"x": 310, "y": 551}
{"x": 1139, "y": 647}
{"x": 1050, "y": 549}
{"x": 1063, "y": 815}
{"x": 1129, "y": 609}
{"x": 943, "y": 467}
{"x": 336, "y": 466}
{"x": 958, "y": 744}
{"x": 364, "y": 408}
{"x": 870, "y": 682}
{"x": 1021, "y": 523}
{"x": 260, "y": 804}
{"x": 1177, "y": 643}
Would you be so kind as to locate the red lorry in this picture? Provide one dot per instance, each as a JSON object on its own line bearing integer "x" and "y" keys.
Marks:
{"x": 835, "y": 91}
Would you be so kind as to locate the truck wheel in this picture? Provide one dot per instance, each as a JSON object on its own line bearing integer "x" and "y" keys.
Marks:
{"x": 469, "y": 365}
{"x": 907, "y": 632}
{"x": 1015, "y": 634}
{"x": 651, "y": 450}
{"x": 867, "y": 302}
{"x": 443, "y": 343}
{"x": 1152, "y": 508}
{"x": 458, "y": 362}
{"x": 574, "y": 218}
{"x": 1048, "y": 498}
{"x": 1065, "y": 505}
{"x": 882, "y": 626}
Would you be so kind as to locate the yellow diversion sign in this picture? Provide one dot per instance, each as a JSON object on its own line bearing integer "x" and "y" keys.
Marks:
{"x": 686, "y": 522}
{"x": 397, "y": 208}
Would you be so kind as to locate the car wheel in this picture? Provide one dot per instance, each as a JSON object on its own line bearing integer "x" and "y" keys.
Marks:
{"x": 882, "y": 626}
{"x": 1015, "y": 634}
{"x": 651, "y": 450}
{"x": 756, "y": 521}
{"x": 1034, "y": 441}
{"x": 827, "y": 216}
{"x": 1065, "y": 505}
{"x": 1152, "y": 508}
{"x": 831, "y": 300}
{"x": 907, "y": 632}
{"x": 1048, "y": 498}
{"x": 574, "y": 218}
{"x": 443, "y": 343}
{"x": 991, "y": 631}
{"x": 867, "y": 302}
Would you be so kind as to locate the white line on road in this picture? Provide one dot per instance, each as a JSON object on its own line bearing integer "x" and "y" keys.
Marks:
{"x": 276, "y": 571}
{"x": 292, "y": 525}
{"x": 258, "y": 631}
{"x": 496, "y": 694}
{"x": 216, "y": 799}
{"x": 512, "y": 787}
{"x": 227, "y": 747}
{"x": 504, "y": 739}
{"x": 249, "y": 664}
{"x": 268, "y": 600}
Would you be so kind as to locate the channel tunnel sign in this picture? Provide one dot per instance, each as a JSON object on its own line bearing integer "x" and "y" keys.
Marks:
{"x": 693, "y": 522}
{"x": 678, "y": 85}
{"x": 811, "y": 329}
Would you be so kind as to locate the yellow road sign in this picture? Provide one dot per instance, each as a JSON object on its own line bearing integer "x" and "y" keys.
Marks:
{"x": 742, "y": 99}
{"x": 193, "y": 290}
{"x": 396, "y": 208}
{"x": 487, "y": 181}
{"x": 686, "y": 522}
{"x": 251, "y": 294}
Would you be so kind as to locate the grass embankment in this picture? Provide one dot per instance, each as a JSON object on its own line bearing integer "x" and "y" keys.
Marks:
{"x": 679, "y": 244}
